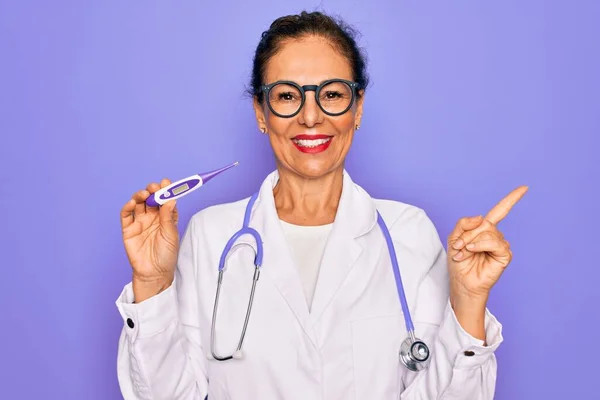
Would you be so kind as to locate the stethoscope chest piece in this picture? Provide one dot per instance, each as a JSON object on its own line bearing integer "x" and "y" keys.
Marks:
{"x": 414, "y": 354}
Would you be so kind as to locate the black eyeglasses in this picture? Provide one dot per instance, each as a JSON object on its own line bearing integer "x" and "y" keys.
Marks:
{"x": 286, "y": 98}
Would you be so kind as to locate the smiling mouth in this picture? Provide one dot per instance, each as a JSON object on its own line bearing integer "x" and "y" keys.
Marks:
{"x": 311, "y": 142}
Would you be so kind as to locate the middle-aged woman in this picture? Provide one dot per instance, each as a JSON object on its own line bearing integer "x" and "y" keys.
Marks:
{"x": 326, "y": 320}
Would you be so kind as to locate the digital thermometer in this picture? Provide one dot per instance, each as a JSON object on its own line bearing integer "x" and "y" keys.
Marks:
{"x": 183, "y": 187}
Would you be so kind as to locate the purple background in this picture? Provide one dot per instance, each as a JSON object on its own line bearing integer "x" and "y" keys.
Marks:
{"x": 469, "y": 100}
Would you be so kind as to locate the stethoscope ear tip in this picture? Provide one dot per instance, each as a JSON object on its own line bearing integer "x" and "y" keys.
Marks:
{"x": 238, "y": 355}
{"x": 209, "y": 356}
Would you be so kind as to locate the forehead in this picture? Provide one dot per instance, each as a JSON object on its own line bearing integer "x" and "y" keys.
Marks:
{"x": 306, "y": 61}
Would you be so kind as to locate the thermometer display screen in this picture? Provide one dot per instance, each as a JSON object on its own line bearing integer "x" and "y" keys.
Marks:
{"x": 180, "y": 189}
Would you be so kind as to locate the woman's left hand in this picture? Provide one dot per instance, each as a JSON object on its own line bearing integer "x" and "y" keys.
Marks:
{"x": 478, "y": 252}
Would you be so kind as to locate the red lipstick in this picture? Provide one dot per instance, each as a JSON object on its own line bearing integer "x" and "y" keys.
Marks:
{"x": 306, "y": 147}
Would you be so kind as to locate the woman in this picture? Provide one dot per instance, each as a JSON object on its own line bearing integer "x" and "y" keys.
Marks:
{"x": 326, "y": 321}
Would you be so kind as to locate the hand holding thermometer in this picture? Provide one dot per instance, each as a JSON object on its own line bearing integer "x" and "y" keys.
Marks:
{"x": 183, "y": 187}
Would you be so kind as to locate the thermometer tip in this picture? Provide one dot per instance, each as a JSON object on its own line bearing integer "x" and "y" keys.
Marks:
{"x": 209, "y": 175}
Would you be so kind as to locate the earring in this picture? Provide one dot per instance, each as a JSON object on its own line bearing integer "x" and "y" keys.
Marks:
{"x": 357, "y": 127}
{"x": 263, "y": 130}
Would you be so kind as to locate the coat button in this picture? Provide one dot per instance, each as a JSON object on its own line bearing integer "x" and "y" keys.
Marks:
{"x": 130, "y": 323}
{"x": 467, "y": 353}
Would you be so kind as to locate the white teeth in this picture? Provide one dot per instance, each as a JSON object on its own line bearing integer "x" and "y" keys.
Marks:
{"x": 311, "y": 143}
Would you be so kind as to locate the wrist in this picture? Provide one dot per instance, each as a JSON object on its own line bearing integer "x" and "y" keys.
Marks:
{"x": 144, "y": 288}
{"x": 466, "y": 303}
{"x": 463, "y": 299}
{"x": 470, "y": 313}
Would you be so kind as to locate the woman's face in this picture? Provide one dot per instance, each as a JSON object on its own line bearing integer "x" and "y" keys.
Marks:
{"x": 311, "y": 143}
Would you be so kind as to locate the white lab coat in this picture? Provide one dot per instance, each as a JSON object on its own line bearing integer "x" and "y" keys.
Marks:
{"x": 346, "y": 347}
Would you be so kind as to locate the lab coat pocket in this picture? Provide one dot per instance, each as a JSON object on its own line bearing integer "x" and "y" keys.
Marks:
{"x": 375, "y": 345}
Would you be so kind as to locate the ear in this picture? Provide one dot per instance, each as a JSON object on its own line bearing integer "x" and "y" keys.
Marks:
{"x": 359, "y": 107}
{"x": 259, "y": 111}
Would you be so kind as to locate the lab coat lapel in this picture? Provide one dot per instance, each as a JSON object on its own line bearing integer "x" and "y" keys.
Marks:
{"x": 356, "y": 215}
{"x": 278, "y": 265}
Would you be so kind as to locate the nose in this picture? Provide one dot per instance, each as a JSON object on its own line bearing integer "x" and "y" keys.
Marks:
{"x": 311, "y": 114}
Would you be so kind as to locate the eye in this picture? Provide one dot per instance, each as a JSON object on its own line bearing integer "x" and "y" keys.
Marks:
{"x": 286, "y": 96}
{"x": 332, "y": 95}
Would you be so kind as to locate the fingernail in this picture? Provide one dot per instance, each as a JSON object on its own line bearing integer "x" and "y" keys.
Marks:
{"x": 471, "y": 246}
{"x": 458, "y": 255}
{"x": 458, "y": 244}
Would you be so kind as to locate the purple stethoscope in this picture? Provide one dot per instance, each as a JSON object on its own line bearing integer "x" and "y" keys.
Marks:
{"x": 413, "y": 353}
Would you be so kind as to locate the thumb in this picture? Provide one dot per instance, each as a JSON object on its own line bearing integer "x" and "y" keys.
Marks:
{"x": 463, "y": 225}
{"x": 168, "y": 213}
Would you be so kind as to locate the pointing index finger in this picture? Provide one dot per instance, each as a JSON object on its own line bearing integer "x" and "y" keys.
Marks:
{"x": 502, "y": 209}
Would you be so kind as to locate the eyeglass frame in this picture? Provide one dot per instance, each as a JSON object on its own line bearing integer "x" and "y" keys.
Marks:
{"x": 307, "y": 88}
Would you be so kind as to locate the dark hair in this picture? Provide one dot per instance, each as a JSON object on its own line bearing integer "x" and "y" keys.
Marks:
{"x": 341, "y": 35}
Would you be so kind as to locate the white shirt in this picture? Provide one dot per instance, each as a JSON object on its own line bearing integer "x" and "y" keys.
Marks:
{"x": 345, "y": 347}
{"x": 307, "y": 244}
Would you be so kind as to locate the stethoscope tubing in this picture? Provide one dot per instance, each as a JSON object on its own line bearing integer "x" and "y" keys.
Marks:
{"x": 411, "y": 361}
{"x": 395, "y": 267}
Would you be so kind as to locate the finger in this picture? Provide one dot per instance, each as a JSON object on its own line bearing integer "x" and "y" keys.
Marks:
{"x": 152, "y": 187}
{"x": 465, "y": 252}
{"x": 462, "y": 255}
{"x": 140, "y": 202}
{"x": 502, "y": 209}
{"x": 469, "y": 236}
{"x": 463, "y": 225}
{"x": 127, "y": 214}
{"x": 167, "y": 213}
{"x": 164, "y": 183}
{"x": 496, "y": 247}
{"x": 175, "y": 214}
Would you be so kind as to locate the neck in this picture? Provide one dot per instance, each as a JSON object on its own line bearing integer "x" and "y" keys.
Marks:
{"x": 308, "y": 201}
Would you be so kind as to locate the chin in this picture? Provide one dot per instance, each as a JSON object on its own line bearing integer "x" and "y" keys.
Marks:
{"x": 314, "y": 169}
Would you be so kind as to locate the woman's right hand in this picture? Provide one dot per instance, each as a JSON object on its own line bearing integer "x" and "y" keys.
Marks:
{"x": 151, "y": 242}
